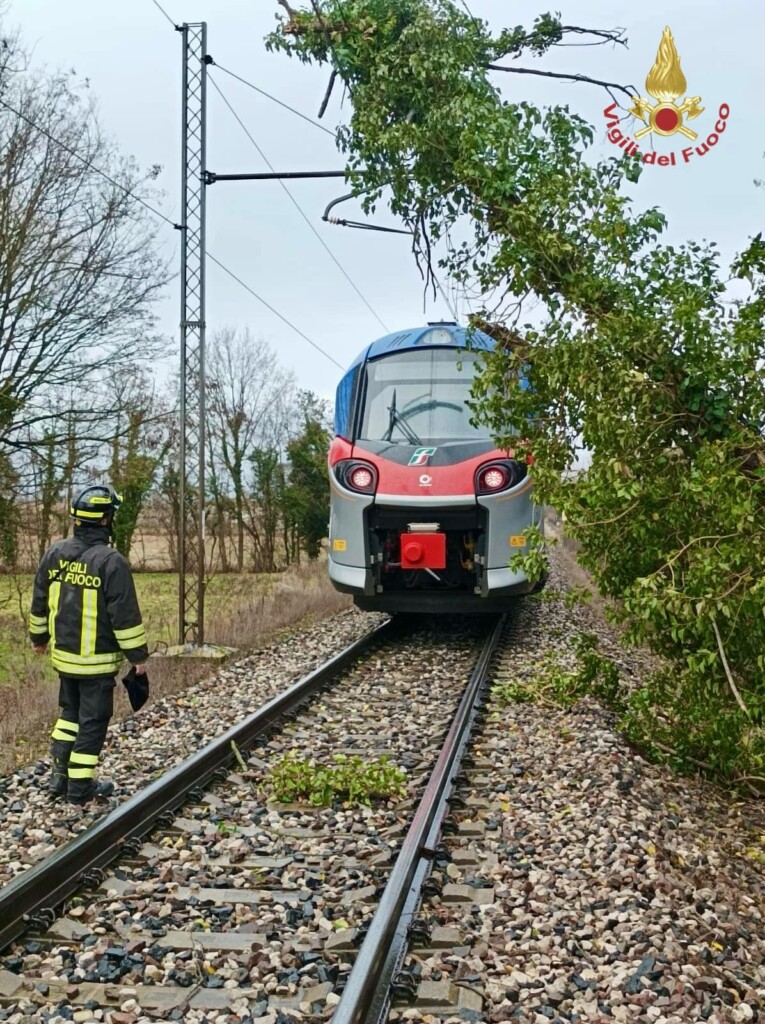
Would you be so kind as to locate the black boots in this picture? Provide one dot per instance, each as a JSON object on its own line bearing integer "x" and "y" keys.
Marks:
{"x": 92, "y": 791}
{"x": 77, "y": 792}
{"x": 57, "y": 785}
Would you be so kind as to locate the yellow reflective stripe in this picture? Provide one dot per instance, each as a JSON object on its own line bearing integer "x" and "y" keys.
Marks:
{"x": 88, "y": 629}
{"x": 38, "y": 630}
{"x": 80, "y": 514}
{"x": 79, "y": 758}
{"x": 129, "y": 645}
{"x": 92, "y": 666}
{"x": 92, "y": 659}
{"x": 57, "y": 734}
{"x": 54, "y": 595}
{"x": 129, "y": 634}
{"x": 69, "y": 726}
{"x": 81, "y": 773}
{"x": 37, "y": 620}
{"x": 67, "y": 669}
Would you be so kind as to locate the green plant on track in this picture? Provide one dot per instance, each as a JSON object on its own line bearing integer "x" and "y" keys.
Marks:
{"x": 594, "y": 675}
{"x": 349, "y": 780}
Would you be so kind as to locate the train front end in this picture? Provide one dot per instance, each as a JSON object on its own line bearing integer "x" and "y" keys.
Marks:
{"x": 425, "y": 512}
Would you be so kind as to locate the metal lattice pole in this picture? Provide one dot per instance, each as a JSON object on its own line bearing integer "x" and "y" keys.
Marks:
{"x": 191, "y": 587}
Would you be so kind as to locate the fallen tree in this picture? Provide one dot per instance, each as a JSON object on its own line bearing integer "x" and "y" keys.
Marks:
{"x": 649, "y": 354}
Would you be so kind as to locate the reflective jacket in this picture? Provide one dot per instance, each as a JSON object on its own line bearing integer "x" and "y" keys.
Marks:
{"x": 84, "y": 604}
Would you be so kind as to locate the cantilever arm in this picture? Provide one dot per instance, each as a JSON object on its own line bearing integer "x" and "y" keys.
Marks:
{"x": 356, "y": 223}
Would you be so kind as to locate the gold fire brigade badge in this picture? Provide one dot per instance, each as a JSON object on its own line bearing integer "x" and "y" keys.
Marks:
{"x": 666, "y": 83}
{"x": 667, "y": 116}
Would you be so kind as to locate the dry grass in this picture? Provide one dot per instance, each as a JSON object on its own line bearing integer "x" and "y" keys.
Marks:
{"x": 242, "y": 611}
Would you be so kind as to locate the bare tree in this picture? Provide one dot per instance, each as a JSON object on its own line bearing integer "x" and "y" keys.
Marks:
{"x": 247, "y": 395}
{"x": 79, "y": 267}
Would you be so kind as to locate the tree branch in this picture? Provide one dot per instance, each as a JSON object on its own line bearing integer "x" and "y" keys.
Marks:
{"x": 628, "y": 90}
{"x": 328, "y": 93}
{"x": 726, "y": 666}
{"x": 604, "y": 35}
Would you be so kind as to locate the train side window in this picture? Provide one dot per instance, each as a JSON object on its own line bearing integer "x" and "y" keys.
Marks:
{"x": 357, "y": 400}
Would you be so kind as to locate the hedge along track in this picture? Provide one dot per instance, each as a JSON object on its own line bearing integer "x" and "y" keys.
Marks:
{"x": 179, "y": 928}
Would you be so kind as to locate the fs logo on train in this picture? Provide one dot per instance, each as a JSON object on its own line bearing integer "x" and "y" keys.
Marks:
{"x": 421, "y": 456}
{"x": 666, "y": 117}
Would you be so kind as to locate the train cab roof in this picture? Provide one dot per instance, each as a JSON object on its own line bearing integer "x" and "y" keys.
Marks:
{"x": 434, "y": 335}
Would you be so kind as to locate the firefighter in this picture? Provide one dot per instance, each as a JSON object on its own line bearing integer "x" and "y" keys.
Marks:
{"x": 84, "y": 605}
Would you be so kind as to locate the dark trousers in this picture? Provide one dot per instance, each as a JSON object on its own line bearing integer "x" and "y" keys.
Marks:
{"x": 87, "y": 703}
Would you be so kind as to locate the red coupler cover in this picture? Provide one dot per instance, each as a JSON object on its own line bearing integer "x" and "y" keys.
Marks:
{"x": 423, "y": 550}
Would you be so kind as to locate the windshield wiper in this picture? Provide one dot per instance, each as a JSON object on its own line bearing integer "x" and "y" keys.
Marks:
{"x": 395, "y": 420}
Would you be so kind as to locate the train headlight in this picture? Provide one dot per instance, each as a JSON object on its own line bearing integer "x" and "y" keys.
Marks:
{"x": 362, "y": 478}
{"x": 357, "y": 476}
{"x": 499, "y": 476}
{"x": 493, "y": 479}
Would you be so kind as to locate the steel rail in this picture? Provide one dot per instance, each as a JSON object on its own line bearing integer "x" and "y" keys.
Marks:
{"x": 29, "y": 900}
{"x": 365, "y": 996}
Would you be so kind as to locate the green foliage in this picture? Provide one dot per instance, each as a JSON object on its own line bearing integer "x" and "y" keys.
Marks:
{"x": 139, "y": 448}
{"x": 347, "y": 779}
{"x": 532, "y": 560}
{"x": 650, "y": 354}
{"x": 307, "y": 495}
{"x": 594, "y": 675}
{"x": 226, "y": 828}
{"x": 685, "y": 720}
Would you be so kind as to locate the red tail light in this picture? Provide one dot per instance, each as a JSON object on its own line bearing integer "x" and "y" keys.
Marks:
{"x": 356, "y": 475}
{"x": 499, "y": 476}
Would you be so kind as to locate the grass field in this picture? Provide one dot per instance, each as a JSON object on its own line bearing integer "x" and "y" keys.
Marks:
{"x": 158, "y": 597}
{"x": 242, "y": 611}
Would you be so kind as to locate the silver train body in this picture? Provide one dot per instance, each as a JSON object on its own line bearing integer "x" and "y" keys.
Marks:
{"x": 425, "y": 512}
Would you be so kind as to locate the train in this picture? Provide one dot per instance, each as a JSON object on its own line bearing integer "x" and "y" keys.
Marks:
{"x": 425, "y": 511}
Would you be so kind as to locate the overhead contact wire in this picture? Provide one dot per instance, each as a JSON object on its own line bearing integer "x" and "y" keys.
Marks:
{"x": 89, "y": 164}
{"x": 286, "y": 106}
{"x": 158, "y": 213}
{"x": 162, "y": 10}
{"x": 300, "y": 210}
{"x": 274, "y": 311}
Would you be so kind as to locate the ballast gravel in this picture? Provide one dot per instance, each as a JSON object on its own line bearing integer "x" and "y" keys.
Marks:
{"x": 280, "y": 889}
{"x": 619, "y": 891}
{"x": 142, "y": 747}
{"x": 606, "y": 888}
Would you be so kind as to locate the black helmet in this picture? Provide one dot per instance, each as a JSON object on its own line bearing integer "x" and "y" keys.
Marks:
{"x": 92, "y": 504}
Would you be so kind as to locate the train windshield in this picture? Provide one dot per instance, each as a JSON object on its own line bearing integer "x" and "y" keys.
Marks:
{"x": 420, "y": 396}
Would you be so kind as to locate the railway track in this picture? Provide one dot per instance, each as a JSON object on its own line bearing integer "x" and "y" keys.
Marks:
{"x": 188, "y": 901}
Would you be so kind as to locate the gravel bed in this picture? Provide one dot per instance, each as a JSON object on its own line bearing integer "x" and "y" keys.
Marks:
{"x": 142, "y": 747}
{"x": 618, "y": 891}
{"x": 296, "y": 882}
{"x": 585, "y": 884}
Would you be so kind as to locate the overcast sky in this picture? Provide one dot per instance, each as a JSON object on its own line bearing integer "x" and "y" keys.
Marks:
{"x": 131, "y": 57}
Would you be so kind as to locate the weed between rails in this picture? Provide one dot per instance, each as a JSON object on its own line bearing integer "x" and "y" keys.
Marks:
{"x": 348, "y": 780}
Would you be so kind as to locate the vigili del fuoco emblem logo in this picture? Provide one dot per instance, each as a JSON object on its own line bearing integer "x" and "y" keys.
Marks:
{"x": 666, "y": 117}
